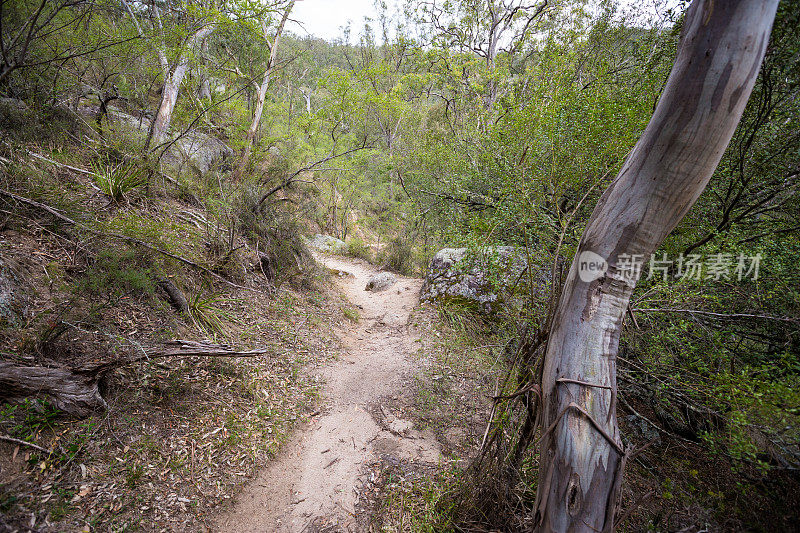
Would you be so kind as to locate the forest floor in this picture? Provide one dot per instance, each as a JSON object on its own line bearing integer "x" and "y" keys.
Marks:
{"x": 315, "y": 482}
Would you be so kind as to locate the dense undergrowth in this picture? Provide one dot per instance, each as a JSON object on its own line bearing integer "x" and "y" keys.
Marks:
{"x": 399, "y": 148}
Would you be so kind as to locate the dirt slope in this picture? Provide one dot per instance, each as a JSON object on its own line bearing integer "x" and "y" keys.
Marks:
{"x": 313, "y": 480}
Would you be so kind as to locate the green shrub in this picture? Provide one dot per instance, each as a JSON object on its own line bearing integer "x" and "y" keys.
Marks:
{"x": 357, "y": 248}
{"x": 276, "y": 234}
{"x": 352, "y": 315}
{"x": 118, "y": 271}
{"x": 398, "y": 255}
{"x": 209, "y": 316}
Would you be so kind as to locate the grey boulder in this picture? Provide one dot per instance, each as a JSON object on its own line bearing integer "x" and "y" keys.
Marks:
{"x": 191, "y": 151}
{"x": 480, "y": 278}
{"x": 326, "y": 243}
{"x": 381, "y": 281}
{"x": 198, "y": 152}
{"x": 14, "y": 306}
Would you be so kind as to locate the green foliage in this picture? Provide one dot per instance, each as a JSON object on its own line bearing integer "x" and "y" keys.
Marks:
{"x": 212, "y": 314}
{"x": 357, "y": 248}
{"x": 118, "y": 271}
{"x": 28, "y": 419}
{"x": 351, "y": 314}
{"x": 422, "y": 504}
{"x": 116, "y": 181}
{"x": 398, "y": 255}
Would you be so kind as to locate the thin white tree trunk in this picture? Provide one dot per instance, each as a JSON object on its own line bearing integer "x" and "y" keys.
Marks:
{"x": 261, "y": 94}
{"x": 582, "y": 459}
{"x": 204, "y": 88}
{"x": 172, "y": 83}
{"x": 307, "y": 98}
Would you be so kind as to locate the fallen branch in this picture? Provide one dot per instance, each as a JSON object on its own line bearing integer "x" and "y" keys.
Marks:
{"x": 133, "y": 240}
{"x": 24, "y": 443}
{"x": 72, "y": 392}
{"x": 63, "y": 165}
{"x": 176, "y": 297}
{"x": 180, "y": 347}
{"x": 719, "y": 315}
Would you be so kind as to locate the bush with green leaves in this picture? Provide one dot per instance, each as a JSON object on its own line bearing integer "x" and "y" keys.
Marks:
{"x": 357, "y": 248}
{"x": 118, "y": 271}
{"x": 398, "y": 255}
{"x": 210, "y": 313}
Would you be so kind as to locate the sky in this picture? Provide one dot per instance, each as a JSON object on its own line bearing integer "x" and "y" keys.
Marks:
{"x": 325, "y": 18}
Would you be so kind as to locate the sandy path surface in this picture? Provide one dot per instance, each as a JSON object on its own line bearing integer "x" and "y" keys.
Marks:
{"x": 314, "y": 477}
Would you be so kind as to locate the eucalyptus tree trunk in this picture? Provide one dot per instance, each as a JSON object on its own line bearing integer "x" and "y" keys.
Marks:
{"x": 261, "y": 94}
{"x": 173, "y": 77}
{"x": 204, "y": 87}
{"x": 582, "y": 457}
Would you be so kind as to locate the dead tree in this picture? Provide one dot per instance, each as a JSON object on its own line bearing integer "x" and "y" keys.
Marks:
{"x": 582, "y": 457}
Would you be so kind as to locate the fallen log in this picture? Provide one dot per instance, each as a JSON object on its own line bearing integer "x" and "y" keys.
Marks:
{"x": 71, "y": 392}
{"x": 75, "y": 390}
{"x": 176, "y": 297}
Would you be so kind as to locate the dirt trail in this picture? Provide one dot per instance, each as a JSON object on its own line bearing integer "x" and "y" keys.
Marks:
{"x": 315, "y": 476}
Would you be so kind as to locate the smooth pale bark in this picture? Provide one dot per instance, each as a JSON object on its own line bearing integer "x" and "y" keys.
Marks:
{"x": 307, "y": 98}
{"x": 172, "y": 82}
{"x": 204, "y": 88}
{"x": 261, "y": 94}
{"x": 581, "y": 460}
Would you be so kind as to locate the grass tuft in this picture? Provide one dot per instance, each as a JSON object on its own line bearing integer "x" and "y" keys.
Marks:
{"x": 116, "y": 181}
{"x": 208, "y": 315}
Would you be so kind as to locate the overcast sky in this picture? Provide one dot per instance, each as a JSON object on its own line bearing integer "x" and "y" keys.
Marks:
{"x": 325, "y": 18}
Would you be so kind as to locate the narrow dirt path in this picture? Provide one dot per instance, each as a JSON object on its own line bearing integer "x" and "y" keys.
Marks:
{"x": 313, "y": 479}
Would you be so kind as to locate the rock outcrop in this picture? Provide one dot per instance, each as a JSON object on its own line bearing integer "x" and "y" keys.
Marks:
{"x": 326, "y": 243}
{"x": 193, "y": 151}
{"x": 13, "y": 301}
{"x": 198, "y": 152}
{"x": 481, "y": 278}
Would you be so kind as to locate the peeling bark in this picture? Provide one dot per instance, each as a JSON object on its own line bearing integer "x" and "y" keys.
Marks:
{"x": 75, "y": 394}
{"x": 581, "y": 462}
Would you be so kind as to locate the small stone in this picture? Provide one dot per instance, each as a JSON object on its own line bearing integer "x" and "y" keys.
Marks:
{"x": 381, "y": 281}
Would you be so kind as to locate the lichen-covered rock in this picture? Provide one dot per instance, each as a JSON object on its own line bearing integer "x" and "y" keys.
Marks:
{"x": 381, "y": 281}
{"x": 193, "y": 150}
{"x": 13, "y": 301}
{"x": 482, "y": 278}
{"x": 198, "y": 152}
{"x": 326, "y": 243}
